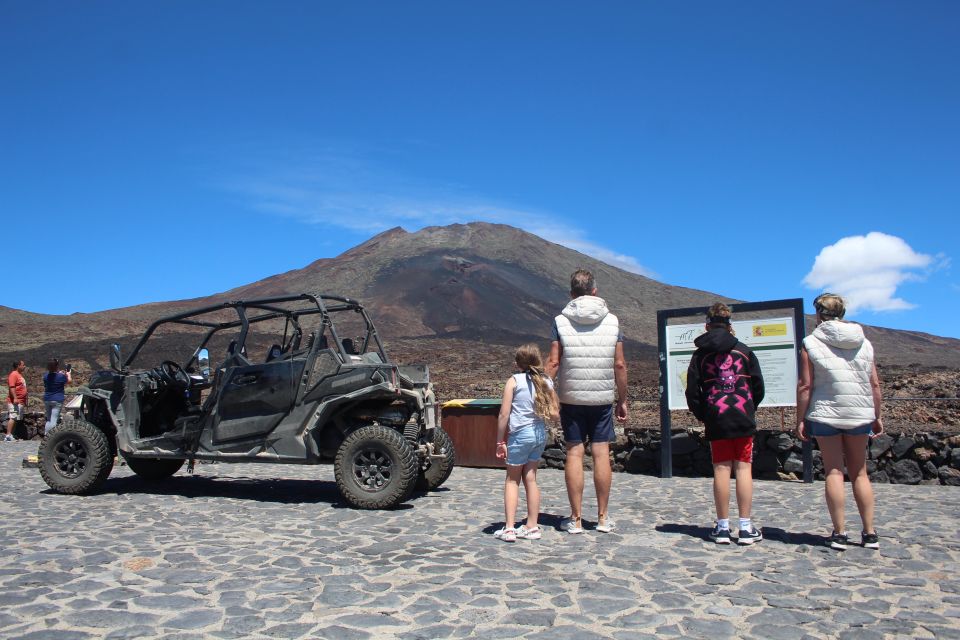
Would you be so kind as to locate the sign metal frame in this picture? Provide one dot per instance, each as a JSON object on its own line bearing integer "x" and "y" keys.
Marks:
{"x": 663, "y": 315}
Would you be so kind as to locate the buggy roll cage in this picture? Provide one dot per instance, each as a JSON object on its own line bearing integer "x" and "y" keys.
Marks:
{"x": 318, "y": 304}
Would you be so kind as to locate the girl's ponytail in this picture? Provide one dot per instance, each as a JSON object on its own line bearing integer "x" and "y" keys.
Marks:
{"x": 529, "y": 361}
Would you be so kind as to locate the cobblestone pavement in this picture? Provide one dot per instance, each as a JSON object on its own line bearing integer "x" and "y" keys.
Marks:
{"x": 269, "y": 552}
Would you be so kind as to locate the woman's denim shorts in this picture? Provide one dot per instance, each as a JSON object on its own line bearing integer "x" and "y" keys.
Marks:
{"x": 526, "y": 445}
{"x": 822, "y": 430}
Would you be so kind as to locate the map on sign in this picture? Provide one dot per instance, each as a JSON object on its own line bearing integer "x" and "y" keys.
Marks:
{"x": 772, "y": 339}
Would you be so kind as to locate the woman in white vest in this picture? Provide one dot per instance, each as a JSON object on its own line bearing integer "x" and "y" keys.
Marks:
{"x": 838, "y": 403}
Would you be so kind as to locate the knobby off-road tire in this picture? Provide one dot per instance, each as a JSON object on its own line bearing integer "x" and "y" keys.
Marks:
{"x": 375, "y": 468}
{"x": 153, "y": 469}
{"x": 437, "y": 473}
{"x": 75, "y": 457}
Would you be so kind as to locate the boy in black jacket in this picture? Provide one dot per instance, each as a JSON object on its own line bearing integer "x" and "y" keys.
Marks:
{"x": 724, "y": 387}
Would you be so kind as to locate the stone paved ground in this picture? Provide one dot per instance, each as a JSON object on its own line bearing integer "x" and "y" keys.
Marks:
{"x": 269, "y": 552}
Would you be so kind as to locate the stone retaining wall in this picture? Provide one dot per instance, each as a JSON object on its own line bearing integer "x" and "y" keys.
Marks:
{"x": 929, "y": 458}
{"x": 30, "y": 428}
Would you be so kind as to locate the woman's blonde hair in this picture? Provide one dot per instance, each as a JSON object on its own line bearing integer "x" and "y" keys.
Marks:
{"x": 830, "y": 306}
{"x": 529, "y": 362}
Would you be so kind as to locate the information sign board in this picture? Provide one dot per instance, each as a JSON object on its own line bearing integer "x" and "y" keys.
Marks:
{"x": 772, "y": 339}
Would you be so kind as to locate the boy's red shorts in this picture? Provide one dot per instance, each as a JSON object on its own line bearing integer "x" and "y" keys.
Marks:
{"x": 740, "y": 449}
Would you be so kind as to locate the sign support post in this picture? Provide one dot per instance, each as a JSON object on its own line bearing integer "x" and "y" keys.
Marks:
{"x": 666, "y": 443}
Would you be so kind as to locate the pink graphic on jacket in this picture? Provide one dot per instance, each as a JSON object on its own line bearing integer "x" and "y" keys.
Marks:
{"x": 725, "y": 376}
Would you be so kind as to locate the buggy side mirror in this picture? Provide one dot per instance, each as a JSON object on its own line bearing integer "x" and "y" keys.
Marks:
{"x": 115, "y": 357}
{"x": 203, "y": 362}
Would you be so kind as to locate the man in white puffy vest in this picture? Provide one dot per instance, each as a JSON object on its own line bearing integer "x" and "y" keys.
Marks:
{"x": 587, "y": 359}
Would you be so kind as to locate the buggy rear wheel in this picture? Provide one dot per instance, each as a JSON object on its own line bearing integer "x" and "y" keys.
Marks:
{"x": 75, "y": 457}
{"x": 375, "y": 468}
{"x": 437, "y": 471}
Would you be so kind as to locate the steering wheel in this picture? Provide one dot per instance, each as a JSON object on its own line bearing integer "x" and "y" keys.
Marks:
{"x": 175, "y": 373}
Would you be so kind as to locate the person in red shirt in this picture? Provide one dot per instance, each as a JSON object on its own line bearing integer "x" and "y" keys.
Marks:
{"x": 16, "y": 397}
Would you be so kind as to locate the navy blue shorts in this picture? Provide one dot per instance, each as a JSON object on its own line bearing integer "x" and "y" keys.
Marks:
{"x": 587, "y": 422}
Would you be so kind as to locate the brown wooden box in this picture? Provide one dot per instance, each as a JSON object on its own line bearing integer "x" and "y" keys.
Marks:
{"x": 472, "y": 426}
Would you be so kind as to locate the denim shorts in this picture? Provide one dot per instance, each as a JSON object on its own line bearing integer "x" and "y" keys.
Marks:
{"x": 526, "y": 445}
{"x": 587, "y": 422}
{"x": 823, "y": 430}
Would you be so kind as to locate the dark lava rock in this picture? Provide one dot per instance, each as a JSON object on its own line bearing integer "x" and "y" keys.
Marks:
{"x": 555, "y": 454}
{"x": 793, "y": 464}
{"x": 902, "y": 446}
{"x": 905, "y": 472}
{"x": 781, "y": 442}
{"x": 639, "y": 460}
{"x": 683, "y": 444}
{"x": 880, "y": 445}
{"x": 765, "y": 461}
{"x": 949, "y": 476}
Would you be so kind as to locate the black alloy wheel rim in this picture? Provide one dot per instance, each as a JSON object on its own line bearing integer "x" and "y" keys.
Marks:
{"x": 372, "y": 469}
{"x": 70, "y": 458}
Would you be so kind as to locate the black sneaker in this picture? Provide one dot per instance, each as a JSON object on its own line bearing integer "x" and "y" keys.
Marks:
{"x": 720, "y": 536}
{"x": 838, "y": 541}
{"x": 870, "y": 540}
{"x": 749, "y": 536}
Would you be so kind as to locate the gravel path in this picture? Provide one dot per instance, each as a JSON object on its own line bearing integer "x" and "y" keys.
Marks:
{"x": 266, "y": 551}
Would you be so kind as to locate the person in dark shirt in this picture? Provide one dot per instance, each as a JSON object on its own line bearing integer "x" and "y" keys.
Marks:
{"x": 54, "y": 383}
{"x": 724, "y": 387}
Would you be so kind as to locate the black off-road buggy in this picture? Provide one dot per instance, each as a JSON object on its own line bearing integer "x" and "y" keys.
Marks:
{"x": 298, "y": 379}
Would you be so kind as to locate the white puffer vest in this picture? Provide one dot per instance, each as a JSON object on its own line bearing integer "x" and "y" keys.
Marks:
{"x": 842, "y": 363}
{"x": 588, "y": 334}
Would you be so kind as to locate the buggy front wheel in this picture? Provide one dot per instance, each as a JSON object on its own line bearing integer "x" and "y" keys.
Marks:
{"x": 375, "y": 468}
{"x": 75, "y": 457}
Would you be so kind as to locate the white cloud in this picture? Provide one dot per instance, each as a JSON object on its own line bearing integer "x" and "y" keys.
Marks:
{"x": 866, "y": 271}
{"x": 329, "y": 189}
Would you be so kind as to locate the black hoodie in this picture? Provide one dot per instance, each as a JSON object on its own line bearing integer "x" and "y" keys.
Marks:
{"x": 724, "y": 385}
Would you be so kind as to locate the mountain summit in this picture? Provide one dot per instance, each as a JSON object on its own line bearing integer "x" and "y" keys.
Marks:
{"x": 475, "y": 281}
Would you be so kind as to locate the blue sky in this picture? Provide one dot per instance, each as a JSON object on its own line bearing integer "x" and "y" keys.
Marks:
{"x": 757, "y": 150}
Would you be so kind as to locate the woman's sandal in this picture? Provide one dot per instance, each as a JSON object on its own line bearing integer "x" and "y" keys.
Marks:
{"x": 507, "y": 535}
{"x": 533, "y": 533}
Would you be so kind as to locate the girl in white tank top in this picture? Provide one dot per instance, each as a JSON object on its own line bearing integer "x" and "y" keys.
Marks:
{"x": 528, "y": 398}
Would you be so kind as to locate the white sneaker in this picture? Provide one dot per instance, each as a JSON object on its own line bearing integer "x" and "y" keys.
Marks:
{"x": 570, "y": 526}
{"x": 606, "y": 526}
{"x": 8, "y": 438}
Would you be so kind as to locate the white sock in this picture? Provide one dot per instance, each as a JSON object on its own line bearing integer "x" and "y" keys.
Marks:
{"x": 723, "y": 523}
{"x": 744, "y": 524}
